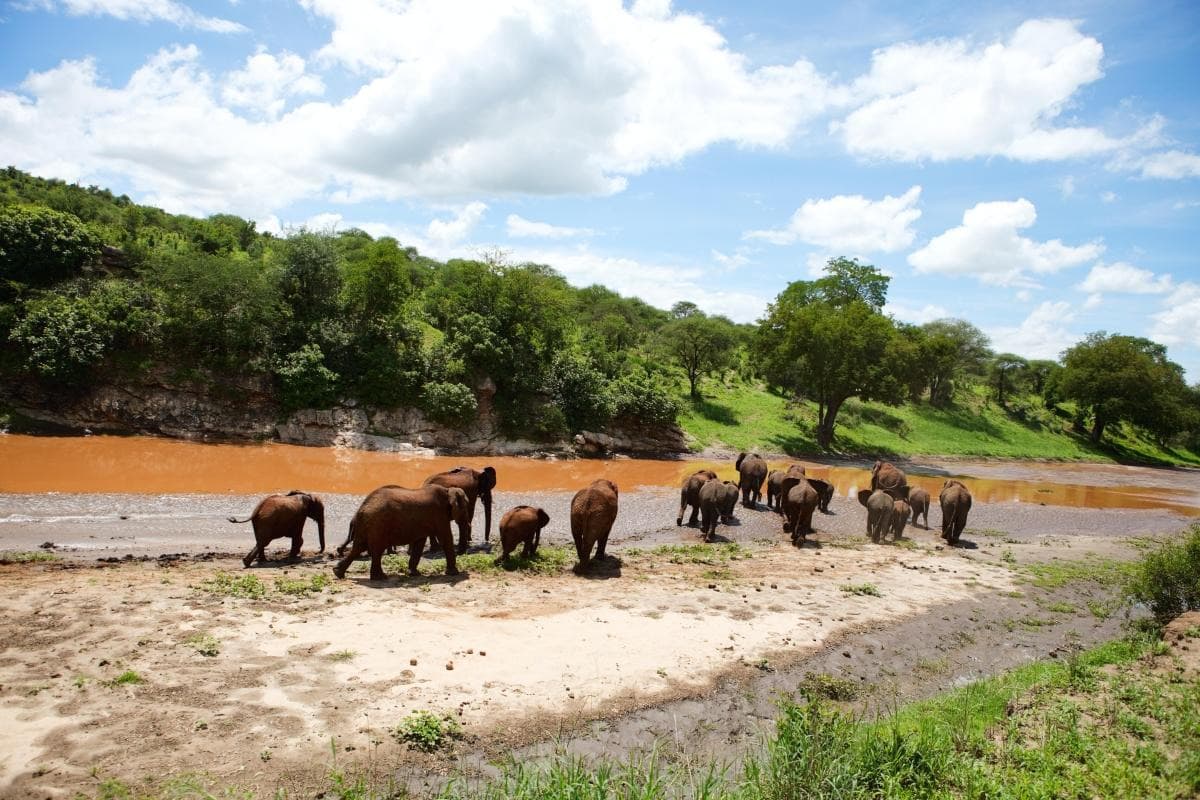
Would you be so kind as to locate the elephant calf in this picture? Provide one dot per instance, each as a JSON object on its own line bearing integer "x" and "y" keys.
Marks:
{"x": 799, "y": 501}
{"x": 521, "y": 525}
{"x": 880, "y": 506}
{"x": 593, "y": 511}
{"x": 689, "y": 494}
{"x": 918, "y": 499}
{"x": 900, "y": 512}
{"x": 393, "y": 515}
{"x": 956, "y": 502}
{"x": 825, "y": 491}
{"x": 775, "y": 486}
{"x": 280, "y": 516}
{"x": 717, "y": 501}
{"x": 752, "y": 471}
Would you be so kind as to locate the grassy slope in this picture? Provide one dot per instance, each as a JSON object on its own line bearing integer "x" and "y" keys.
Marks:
{"x": 744, "y": 417}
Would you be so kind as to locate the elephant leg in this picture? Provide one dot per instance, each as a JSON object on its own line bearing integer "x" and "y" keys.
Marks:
{"x": 537, "y": 541}
{"x": 415, "y": 549}
{"x": 682, "y": 507}
{"x": 448, "y": 545}
{"x": 297, "y": 542}
{"x": 601, "y": 543}
{"x": 464, "y": 538}
{"x": 694, "y": 519}
{"x": 257, "y": 550}
{"x": 356, "y": 550}
{"x": 806, "y": 523}
{"x": 377, "y": 573}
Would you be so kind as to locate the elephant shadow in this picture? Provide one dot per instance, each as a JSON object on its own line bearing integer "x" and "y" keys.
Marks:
{"x": 717, "y": 538}
{"x": 964, "y": 544}
{"x": 405, "y": 580}
{"x": 283, "y": 562}
{"x": 601, "y": 569}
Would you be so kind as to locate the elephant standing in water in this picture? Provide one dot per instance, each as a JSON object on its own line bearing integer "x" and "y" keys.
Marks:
{"x": 799, "y": 501}
{"x": 279, "y": 516}
{"x": 956, "y": 502}
{"x": 689, "y": 494}
{"x": 392, "y": 516}
{"x": 752, "y": 471}
{"x": 918, "y": 499}
{"x": 880, "y": 507}
{"x": 593, "y": 510}
{"x": 475, "y": 483}
{"x": 717, "y": 501}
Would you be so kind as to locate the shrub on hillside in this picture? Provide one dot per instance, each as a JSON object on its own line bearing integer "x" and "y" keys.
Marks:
{"x": 1168, "y": 579}
{"x": 449, "y": 403}
{"x": 40, "y": 246}
{"x": 305, "y": 381}
{"x": 639, "y": 396}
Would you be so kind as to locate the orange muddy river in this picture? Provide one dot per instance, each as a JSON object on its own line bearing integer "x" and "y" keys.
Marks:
{"x": 136, "y": 464}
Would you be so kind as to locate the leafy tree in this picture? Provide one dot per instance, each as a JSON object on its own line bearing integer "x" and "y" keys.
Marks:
{"x": 310, "y": 281}
{"x": 684, "y": 308}
{"x": 41, "y": 247}
{"x": 640, "y": 396}
{"x": 1040, "y": 372}
{"x": 1123, "y": 378}
{"x": 305, "y": 381}
{"x": 63, "y": 337}
{"x": 952, "y": 351}
{"x": 699, "y": 343}
{"x": 580, "y": 391}
{"x": 449, "y": 403}
{"x": 1005, "y": 370}
{"x": 827, "y": 340}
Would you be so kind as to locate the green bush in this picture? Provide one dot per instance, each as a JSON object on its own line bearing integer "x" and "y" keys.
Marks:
{"x": 40, "y": 246}
{"x": 62, "y": 337}
{"x": 1168, "y": 579}
{"x": 449, "y": 403}
{"x": 425, "y": 731}
{"x": 579, "y": 391}
{"x": 639, "y": 396}
{"x": 305, "y": 381}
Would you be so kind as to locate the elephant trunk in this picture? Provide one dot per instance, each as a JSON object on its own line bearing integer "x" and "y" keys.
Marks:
{"x": 321, "y": 533}
{"x": 486, "y": 497}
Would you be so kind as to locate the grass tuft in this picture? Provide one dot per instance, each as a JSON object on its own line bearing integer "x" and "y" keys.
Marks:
{"x": 868, "y": 589}
{"x": 27, "y": 556}
{"x": 229, "y": 585}
{"x": 203, "y": 643}
{"x": 426, "y": 731}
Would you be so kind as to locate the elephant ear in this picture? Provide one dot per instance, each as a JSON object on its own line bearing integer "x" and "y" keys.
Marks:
{"x": 788, "y": 483}
{"x": 864, "y": 495}
{"x": 458, "y": 503}
{"x": 821, "y": 486}
{"x": 903, "y": 491}
{"x": 543, "y": 518}
{"x": 487, "y": 479}
{"x": 738, "y": 464}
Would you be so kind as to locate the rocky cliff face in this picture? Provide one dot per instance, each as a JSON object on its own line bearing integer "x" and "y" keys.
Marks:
{"x": 246, "y": 411}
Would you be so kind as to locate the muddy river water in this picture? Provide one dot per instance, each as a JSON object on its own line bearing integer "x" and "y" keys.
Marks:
{"x": 145, "y": 465}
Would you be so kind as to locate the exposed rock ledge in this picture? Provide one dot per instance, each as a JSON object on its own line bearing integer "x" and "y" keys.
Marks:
{"x": 245, "y": 411}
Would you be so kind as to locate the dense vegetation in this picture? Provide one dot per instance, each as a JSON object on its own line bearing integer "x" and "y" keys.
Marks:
{"x": 94, "y": 287}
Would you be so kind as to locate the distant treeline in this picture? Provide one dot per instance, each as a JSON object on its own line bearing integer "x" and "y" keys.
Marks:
{"x": 95, "y": 287}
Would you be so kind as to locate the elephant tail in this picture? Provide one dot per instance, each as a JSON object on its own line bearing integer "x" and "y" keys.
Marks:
{"x": 237, "y": 521}
{"x": 349, "y": 538}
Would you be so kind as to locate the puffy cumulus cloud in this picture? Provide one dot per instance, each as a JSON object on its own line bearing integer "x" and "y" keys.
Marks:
{"x": 1179, "y": 321}
{"x": 661, "y": 285}
{"x": 517, "y": 227}
{"x": 446, "y": 232}
{"x": 1042, "y": 334}
{"x": 1124, "y": 278}
{"x": 988, "y": 246}
{"x": 916, "y": 315}
{"x": 266, "y": 82}
{"x": 456, "y": 99}
{"x": 951, "y": 99}
{"x": 144, "y": 11}
{"x": 851, "y": 223}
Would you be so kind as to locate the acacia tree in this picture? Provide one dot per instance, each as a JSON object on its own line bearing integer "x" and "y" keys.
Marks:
{"x": 1123, "y": 378}
{"x": 1005, "y": 370}
{"x": 951, "y": 351}
{"x": 828, "y": 340}
{"x": 699, "y": 343}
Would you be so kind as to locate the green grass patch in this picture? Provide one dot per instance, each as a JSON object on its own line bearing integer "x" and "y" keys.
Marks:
{"x": 204, "y": 644}
{"x": 548, "y": 560}
{"x": 298, "y": 587}
{"x": 227, "y": 584}
{"x": 27, "y": 556}
{"x": 426, "y": 731}
{"x": 1055, "y": 574}
{"x": 829, "y": 687}
{"x": 711, "y": 554}
{"x": 869, "y": 589}
{"x": 127, "y": 678}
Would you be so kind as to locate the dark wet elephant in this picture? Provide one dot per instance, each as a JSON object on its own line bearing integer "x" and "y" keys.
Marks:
{"x": 879, "y": 505}
{"x": 775, "y": 485}
{"x": 956, "y": 503}
{"x": 918, "y": 499}
{"x": 282, "y": 516}
{"x": 890, "y": 478}
{"x": 593, "y": 511}
{"x": 522, "y": 525}
{"x": 689, "y": 494}
{"x": 752, "y": 471}
{"x": 476, "y": 484}
{"x": 799, "y": 502}
{"x": 392, "y": 516}
{"x": 717, "y": 501}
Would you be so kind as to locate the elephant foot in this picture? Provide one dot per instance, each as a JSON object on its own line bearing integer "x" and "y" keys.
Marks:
{"x": 451, "y": 573}
{"x": 339, "y": 571}
{"x": 378, "y": 576}
{"x": 679, "y": 522}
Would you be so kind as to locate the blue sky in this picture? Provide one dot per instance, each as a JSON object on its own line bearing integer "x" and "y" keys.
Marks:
{"x": 1031, "y": 167}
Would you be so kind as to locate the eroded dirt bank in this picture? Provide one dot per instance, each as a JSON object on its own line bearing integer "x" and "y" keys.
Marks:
{"x": 681, "y": 648}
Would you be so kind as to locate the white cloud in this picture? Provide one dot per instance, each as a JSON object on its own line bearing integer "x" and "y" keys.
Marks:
{"x": 851, "y": 224}
{"x": 517, "y": 227}
{"x": 1179, "y": 321}
{"x": 1024, "y": 295}
{"x": 1180, "y": 205}
{"x": 1093, "y": 300}
{"x": 267, "y": 81}
{"x": 452, "y": 231}
{"x": 1066, "y": 186}
{"x": 1042, "y": 334}
{"x": 1170, "y": 165}
{"x": 918, "y": 316}
{"x": 988, "y": 246}
{"x": 456, "y": 100}
{"x": 145, "y": 11}
{"x": 951, "y": 98}
{"x": 1125, "y": 279}
{"x": 731, "y": 262}
{"x": 1108, "y": 197}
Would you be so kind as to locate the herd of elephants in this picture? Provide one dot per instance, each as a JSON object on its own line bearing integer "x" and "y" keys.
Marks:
{"x": 392, "y": 516}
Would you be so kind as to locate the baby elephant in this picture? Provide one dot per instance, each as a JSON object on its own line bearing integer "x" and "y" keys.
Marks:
{"x": 280, "y": 516}
{"x": 919, "y": 500}
{"x": 522, "y": 524}
{"x": 717, "y": 500}
{"x": 900, "y": 512}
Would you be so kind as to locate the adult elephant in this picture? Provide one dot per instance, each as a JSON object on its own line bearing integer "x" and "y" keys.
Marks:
{"x": 799, "y": 501}
{"x": 280, "y": 516}
{"x": 476, "y": 484}
{"x": 521, "y": 525}
{"x": 890, "y": 478}
{"x": 752, "y": 471}
{"x": 879, "y": 505}
{"x": 900, "y": 512}
{"x": 392, "y": 516}
{"x": 689, "y": 494}
{"x": 918, "y": 499}
{"x": 775, "y": 485}
{"x": 825, "y": 491}
{"x": 955, "y": 500}
{"x": 717, "y": 501}
{"x": 593, "y": 510}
